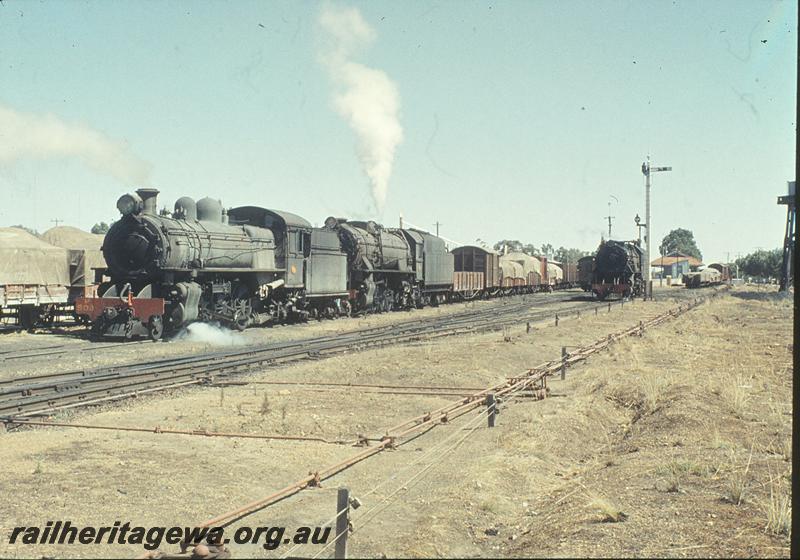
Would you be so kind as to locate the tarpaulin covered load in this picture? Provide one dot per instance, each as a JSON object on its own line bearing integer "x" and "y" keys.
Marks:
{"x": 31, "y": 270}
{"x": 26, "y": 259}
{"x": 84, "y": 252}
{"x": 554, "y": 273}
{"x": 511, "y": 272}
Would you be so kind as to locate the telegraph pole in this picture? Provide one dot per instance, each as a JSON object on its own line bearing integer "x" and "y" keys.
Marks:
{"x": 647, "y": 170}
{"x": 56, "y": 222}
{"x": 437, "y": 224}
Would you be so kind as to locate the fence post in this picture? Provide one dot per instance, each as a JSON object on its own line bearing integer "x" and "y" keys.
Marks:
{"x": 596, "y": 308}
{"x": 609, "y": 307}
{"x": 492, "y": 408}
{"x": 342, "y": 522}
{"x": 556, "y": 319}
{"x": 563, "y": 362}
{"x": 528, "y": 327}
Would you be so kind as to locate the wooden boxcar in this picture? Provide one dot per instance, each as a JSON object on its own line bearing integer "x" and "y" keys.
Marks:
{"x": 476, "y": 272}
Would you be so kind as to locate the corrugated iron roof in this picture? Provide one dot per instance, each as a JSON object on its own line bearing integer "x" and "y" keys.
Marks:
{"x": 669, "y": 261}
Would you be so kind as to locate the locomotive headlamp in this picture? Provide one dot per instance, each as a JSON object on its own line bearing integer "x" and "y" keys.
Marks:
{"x": 129, "y": 204}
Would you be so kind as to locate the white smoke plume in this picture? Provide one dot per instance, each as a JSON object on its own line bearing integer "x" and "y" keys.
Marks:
{"x": 39, "y": 136}
{"x": 365, "y": 97}
{"x": 210, "y": 334}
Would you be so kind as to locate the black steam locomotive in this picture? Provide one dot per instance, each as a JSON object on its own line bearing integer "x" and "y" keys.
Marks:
{"x": 251, "y": 266}
{"x": 618, "y": 267}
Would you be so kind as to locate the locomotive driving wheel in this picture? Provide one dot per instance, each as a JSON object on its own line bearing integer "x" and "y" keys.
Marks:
{"x": 241, "y": 315}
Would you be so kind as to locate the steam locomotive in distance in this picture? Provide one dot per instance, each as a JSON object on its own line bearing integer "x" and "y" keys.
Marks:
{"x": 617, "y": 269}
{"x": 251, "y": 266}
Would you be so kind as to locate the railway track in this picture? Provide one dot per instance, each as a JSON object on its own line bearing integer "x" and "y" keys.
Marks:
{"x": 45, "y": 393}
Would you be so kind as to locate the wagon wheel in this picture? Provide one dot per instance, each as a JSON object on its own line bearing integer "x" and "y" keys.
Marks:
{"x": 155, "y": 328}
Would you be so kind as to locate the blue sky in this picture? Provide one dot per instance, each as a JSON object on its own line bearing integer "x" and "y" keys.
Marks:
{"x": 520, "y": 118}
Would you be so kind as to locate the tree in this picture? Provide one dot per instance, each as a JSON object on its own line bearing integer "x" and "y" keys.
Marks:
{"x": 529, "y": 249}
{"x": 762, "y": 264}
{"x": 101, "y": 228}
{"x": 29, "y": 230}
{"x": 547, "y": 249}
{"x": 513, "y": 245}
{"x": 680, "y": 240}
{"x": 565, "y": 255}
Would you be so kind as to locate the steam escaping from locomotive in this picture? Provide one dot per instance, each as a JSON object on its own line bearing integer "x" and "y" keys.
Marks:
{"x": 209, "y": 334}
{"x": 39, "y": 136}
{"x": 365, "y": 97}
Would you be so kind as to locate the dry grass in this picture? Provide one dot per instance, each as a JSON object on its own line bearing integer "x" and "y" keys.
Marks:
{"x": 778, "y": 511}
{"x": 737, "y": 486}
{"x": 739, "y": 482}
{"x": 489, "y": 506}
{"x": 717, "y": 442}
{"x": 653, "y": 386}
{"x": 786, "y": 448}
{"x": 609, "y": 512}
{"x": 675, "y": 472}
{"x": 265, "y": 406}
{"x": 736, "y": 393}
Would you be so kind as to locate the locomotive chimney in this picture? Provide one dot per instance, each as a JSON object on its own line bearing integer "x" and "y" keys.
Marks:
{"x": 150, "y": 200}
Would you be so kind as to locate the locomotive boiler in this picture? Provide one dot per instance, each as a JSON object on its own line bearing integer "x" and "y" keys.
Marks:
{"x": 618, "y": 269}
